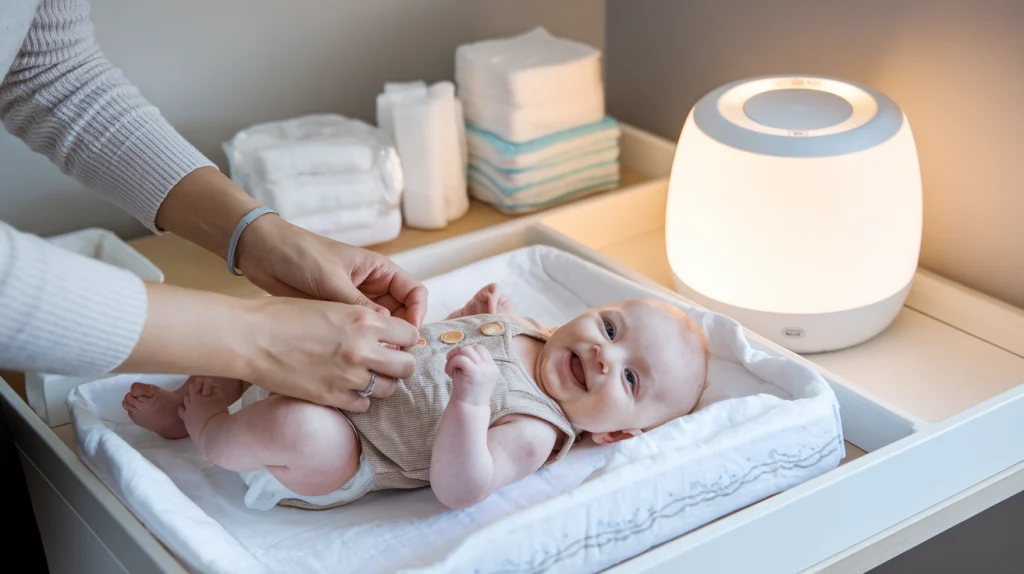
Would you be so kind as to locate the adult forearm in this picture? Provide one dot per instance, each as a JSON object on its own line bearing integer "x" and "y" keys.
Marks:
{"x": 192, "y": 332}
{"x": 461, "y": 465}
{"x": 204, "y": 207}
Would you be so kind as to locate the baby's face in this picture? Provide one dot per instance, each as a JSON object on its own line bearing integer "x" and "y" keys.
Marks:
{"x": 625, "y": 367}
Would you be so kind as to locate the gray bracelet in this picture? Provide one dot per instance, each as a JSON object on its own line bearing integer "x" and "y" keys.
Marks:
{"x": 245, "y": 221}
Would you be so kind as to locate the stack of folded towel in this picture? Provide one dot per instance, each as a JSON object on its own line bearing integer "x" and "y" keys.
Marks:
{"x": 537, "y": 133}
{"x": 332, "y": 175}
{"x": 426, "y": 125}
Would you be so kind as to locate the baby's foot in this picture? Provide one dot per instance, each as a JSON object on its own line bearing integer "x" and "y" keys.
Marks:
{"x": 203, "y": 401}
{"x": 155, "y": 409}
{"x": 489, "y": 300}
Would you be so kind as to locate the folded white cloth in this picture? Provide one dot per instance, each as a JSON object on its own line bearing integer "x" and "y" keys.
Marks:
{"x": 351, "y": 218}
{"x": 281, "y": 162}
{"x": 521, "y": 123}
{"x": 428, "y": 132}
{"x": 386, "y": 227}
{"x": 315, "y": 164}
{"x": 530, "y": 69}
{"x": 554, "y": 148}
{"x": 304, "y": 195}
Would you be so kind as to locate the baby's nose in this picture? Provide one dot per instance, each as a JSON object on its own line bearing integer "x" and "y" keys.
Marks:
{"x": 602, "y": 363}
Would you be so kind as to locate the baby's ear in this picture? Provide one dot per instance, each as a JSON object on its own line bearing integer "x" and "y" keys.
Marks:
{"x": 615, "y": 436}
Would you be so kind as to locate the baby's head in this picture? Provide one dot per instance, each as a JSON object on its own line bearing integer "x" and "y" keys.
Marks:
{"x": 626, "y": 368}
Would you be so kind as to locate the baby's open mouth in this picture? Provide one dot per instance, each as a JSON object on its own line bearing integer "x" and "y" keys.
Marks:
{"x": 576, "y": 368}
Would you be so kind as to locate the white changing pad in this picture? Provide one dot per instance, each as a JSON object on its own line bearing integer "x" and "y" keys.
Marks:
{"x": 765, "y": 424}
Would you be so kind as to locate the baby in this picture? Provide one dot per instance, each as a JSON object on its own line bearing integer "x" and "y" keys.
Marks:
{"x": 495, "y": 397}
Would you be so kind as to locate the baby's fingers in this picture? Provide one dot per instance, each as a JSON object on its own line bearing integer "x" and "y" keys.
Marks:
{"x": 456, "y": 364}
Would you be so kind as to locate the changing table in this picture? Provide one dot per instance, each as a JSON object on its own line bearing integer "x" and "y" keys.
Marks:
{"x": 932, "y": 408}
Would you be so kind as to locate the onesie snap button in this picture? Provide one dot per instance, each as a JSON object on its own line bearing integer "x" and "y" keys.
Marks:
{"x": 492, "y": 329}
{"x": 452, "y": 337}
{"x": 421, "y": 343}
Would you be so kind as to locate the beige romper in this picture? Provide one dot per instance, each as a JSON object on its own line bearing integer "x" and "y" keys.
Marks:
{"x": 397, "y": 434}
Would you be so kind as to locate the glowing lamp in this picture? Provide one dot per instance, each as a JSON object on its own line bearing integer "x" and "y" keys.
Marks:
{"x": 794, "y": 206}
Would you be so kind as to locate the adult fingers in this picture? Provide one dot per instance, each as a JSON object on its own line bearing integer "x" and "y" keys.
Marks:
{"x": 398, "y": 332}
{"x": 339, "y": 287}
{"x": 416, "y": 306}
{"x": 389, "y": 363}
{"x": 410, "y": 293}
{"x": 383, "y": 387}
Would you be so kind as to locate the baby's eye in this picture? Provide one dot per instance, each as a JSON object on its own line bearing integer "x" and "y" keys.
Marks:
{"x": 609, "y": 330}
{"x": 631, "y": 378}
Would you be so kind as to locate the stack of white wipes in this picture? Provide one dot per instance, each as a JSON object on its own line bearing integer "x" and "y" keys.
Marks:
{"x": 536, "y": 127}
{"x": 332, "y": 175}
{"x": 528, "y": 86}
{"x": 427, "y": 127}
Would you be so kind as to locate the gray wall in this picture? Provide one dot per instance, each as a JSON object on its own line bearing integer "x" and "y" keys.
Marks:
{"x": 216, "y": 67}
{"x": 956, "y": 67}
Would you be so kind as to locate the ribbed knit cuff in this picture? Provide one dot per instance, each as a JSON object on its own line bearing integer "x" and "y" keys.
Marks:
{"x": 138, "y": 159}
{"x": 64, "y": 313}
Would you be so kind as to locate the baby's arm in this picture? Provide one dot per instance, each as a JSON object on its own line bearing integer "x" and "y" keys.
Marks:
{"x": 471, "y": 461}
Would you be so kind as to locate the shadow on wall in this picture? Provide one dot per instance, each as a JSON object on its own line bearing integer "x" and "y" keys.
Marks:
{"x": 955, "y": 67}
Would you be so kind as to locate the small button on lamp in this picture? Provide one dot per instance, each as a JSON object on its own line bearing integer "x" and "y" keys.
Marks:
{"x": 794, "y": 206}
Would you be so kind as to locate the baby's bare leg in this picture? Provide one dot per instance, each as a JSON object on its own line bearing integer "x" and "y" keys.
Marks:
{"x": 156, "y": 409}
{"x": 489, "y": 300}
{"x": 310, "y": 448}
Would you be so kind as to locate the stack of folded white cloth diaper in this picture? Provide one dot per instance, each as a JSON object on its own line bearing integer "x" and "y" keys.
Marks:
{"x": 332, "y": 175}
{"x": 537, "y": 133}
{"x": 427, "y": 128}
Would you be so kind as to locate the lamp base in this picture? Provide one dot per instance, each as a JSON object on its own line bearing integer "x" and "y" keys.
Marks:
{"x": 809, "y": 333}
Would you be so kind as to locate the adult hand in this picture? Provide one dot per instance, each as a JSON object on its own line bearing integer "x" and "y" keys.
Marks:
{"x": 334, "y": 347}
{"x": 286, "y": 260}
{"x": 283, "y": 259}
{"x": 319, "y": 351}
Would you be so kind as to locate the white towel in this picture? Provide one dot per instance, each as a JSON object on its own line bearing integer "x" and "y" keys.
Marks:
{"x": 341, "y": 219}
{"x": 451, "y": 145}
{"x": 345, "y": 154}
{"x": 531, "y": 69}
{"x": 393, "y": 93}
{"x": 426, "y": 125}
{"x": 300, "y": 165}
{"x": 520, "y": 124}
{"x": 304, "y": 195}
{"x": 384, "y": 229}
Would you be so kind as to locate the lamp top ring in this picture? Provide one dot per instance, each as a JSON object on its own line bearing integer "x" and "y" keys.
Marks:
{"x": 798, "y": 116}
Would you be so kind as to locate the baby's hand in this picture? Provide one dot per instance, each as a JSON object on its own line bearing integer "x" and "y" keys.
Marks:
{"x": 473, "y": 372}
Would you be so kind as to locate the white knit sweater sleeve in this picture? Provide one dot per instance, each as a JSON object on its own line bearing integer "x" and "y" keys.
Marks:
{"x": 61, "y": 312}
{"x": 64, "y": 313}
{"x": 69, "y": 103}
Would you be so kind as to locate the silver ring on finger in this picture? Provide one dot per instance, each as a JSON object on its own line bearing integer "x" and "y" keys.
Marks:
{"x": 369, "y": 388}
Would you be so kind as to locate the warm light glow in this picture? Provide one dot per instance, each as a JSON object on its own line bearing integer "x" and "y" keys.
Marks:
{"x": 798, "y": 235}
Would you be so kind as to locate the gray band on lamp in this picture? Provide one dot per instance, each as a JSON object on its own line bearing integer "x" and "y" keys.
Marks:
{"x": 242, "y": 224}
{"x": 708, "y": 116}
